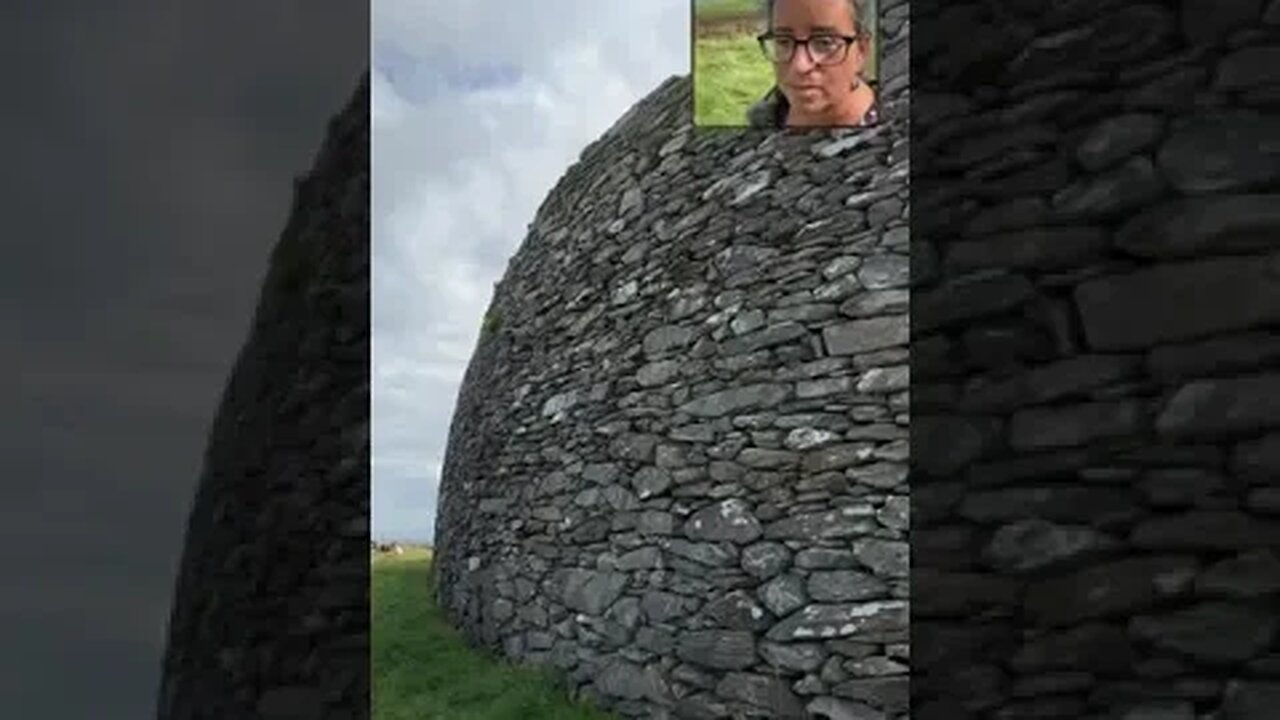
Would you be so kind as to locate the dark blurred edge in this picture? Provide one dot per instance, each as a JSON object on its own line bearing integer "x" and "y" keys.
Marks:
{"x": 1095, "y": 359}
{"x": 271, "y": 610}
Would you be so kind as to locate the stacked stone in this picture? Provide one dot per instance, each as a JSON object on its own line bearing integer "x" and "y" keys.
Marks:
{"x": 270, "y": 615}
{"x": 1097, "y": 401}
{"x": 677, "y": 468}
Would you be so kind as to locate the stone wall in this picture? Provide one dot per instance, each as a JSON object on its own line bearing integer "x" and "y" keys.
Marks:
{"x": 1096, "y": 360}
{"x": 677, "y": 468}
{"x": 270, "y": 615}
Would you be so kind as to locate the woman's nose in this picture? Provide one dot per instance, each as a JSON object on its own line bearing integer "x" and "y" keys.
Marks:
{"x": 801, "y": 60}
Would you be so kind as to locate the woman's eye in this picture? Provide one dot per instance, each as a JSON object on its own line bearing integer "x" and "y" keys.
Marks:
{"x": 824, "y": 44}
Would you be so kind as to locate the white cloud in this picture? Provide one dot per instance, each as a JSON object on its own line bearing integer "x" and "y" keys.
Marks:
{"x": 478, "y": 109}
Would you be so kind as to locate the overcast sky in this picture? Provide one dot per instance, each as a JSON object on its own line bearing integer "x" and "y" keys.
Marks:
{"x": 149, "y": 160}
{"x": 478, "y": 108}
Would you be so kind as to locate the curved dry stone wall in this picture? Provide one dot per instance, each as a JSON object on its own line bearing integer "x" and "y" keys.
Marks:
{"x": 271, "y": 614}
{"x": 677, "y": 468}
{"x": 1096, "y": 360}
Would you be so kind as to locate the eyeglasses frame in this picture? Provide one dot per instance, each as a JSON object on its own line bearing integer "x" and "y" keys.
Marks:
{"x": 849, "y": 40}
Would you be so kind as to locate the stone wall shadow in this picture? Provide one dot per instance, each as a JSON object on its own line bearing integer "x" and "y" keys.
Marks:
{"x": 1095, "y": 360}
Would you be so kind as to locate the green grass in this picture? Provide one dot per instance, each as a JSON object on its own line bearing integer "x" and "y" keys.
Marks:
{"x": 711, "y": 9}
{"x": 729, "y": 75}
{"x": 424, "y": 670}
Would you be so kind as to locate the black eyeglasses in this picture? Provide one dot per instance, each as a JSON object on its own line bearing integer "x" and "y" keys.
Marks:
{"x": 823, "y": 49}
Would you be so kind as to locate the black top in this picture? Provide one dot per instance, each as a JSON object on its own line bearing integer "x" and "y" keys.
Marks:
{"x": 771, "y": 111}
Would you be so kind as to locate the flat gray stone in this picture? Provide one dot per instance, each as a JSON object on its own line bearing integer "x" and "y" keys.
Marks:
{"x": 808, "y": 438}
{"x": 845, "y": 522}
{"x": 882, "y": 475}
{"x": 724, "y": 402}
{"x": 888, "y": 693}
{"x": 1222, "y": 354}
{"x": 655, "y": 522}
{"x": 702, "y": 553}
{"x": 1187, "y": 227}
{"x": 767, "y": 337}
{"x": 1116, "y": 138}
{"x": 1211, "y": 632}
{"x": 591, "y": 591}
{"x": 825, "y": 622}
{"x": 1132, "y": 185}
{"x": 1264, "y": 501}
{"x": 964, "y": 299}
{"x": 1245, "y": 148}
{"x": 634, "y": 446}
{"x": 1117, "y": 588}
{"x": 1250, "y": 700}
{"x": 737, "y": 610}
{"x": 1074, "y": 425}
{"x": 767, "y": 459}
{"x": 765, "y": 560}
{"x": 1078, "y": 375}
{"x": 895, "y": 513}
{"x": 1033, "y": 544}
{"x": 832, "y": 708}
{"x": 657, "y": 373}
{"x": 629, "y": 681}
{"x": 837, "y": 457}
{"x": 1058, "y": 503}
{"x": 1039, "y": 248}
{"x": 884, "y": 272}
{"x": 661, "y": 607}
{"x": 1096, "y": 646}
{"x": 885, "y": 380}
{"x": 885, "y": 558}
{"x": 1162, "y": 710}
{"x": 1258, "y": 459}
{"x": 860, "y": 336}
{"x": 1249, "y": 67}
{"x": 783, "y": 594}
{"x": 1197, "y": 530}
{"x": 1251, "y": 574}
{"x": 797, "y": 657}
{"x": 825, "y": 559}
{"x": 824, "y": 387}
{"x": 667, "y": 338}
{"x": 1175, "y": 302}
{"x": 650, "y": 481}
{"x": 717, "y": 649}
{"x": 942, "y": 444}
{"x": 1214, "y": 408}
{"x": 645, "y": 558}
{"x": 771, "y": 694}
{"x": 1208, "y": 21}
{"x": 836, "y": 586}
{"x": 883, "y": 302}
{"x": 726, "y": 521}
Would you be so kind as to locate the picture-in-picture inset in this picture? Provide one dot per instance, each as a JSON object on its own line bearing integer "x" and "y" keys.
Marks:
{"x": 785, "y": 63}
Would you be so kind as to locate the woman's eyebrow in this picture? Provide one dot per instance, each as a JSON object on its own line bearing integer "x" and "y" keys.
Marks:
{"x": 815, "y": 30}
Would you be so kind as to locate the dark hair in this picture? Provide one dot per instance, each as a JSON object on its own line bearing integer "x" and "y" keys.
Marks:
{"x": 857, "y": 8}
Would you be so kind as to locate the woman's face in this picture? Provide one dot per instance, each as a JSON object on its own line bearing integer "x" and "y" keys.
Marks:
{"x": 808, "y": 86}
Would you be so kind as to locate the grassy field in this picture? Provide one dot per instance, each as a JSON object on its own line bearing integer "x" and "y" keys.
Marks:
{"x": 729, "y": 75}
{"x": 424, "y": 670}
{"x": 713, "y": 9}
